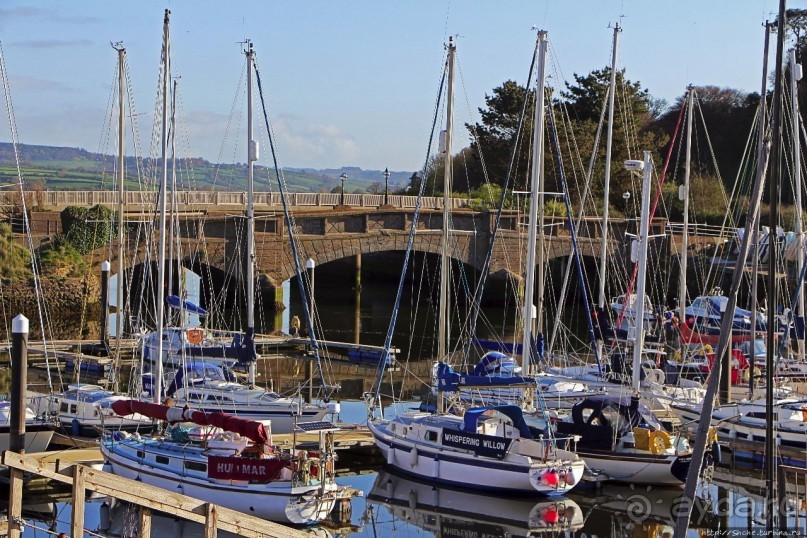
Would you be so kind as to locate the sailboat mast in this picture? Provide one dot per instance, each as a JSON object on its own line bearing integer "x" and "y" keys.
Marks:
{"x": 172, "y": 235}
{"x": 773, "y": 248}
{"x": 795, "y": 76}
{"x": 443, "y": 333}
{"x": 158, "y": 367}
{"x": 607, "y": 181}
{"x": 121, "y": 178}
{"x": 252, "y": 156}
{"x": 683, "y": 195}
{"x": 641, "y": 277}
{"x": 536, "y": 189}
{"x": 754, "y": 228}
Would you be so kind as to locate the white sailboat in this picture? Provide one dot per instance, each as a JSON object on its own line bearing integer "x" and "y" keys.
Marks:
{"x": 490, "y": 448}
{"x": 238, "y": 468}
{"x": 210, "y": 387}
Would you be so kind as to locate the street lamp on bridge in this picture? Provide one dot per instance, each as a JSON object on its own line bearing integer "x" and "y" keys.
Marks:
{"x": 343, "y": 177}
{"x": 386, "y": 186}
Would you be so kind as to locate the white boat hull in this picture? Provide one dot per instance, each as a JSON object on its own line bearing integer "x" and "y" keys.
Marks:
{"x": 455, "y": 468}
{"x": 275, "y": 501}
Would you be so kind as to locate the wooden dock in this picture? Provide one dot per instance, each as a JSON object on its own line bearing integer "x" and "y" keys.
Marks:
{"x": 66, "y": 467}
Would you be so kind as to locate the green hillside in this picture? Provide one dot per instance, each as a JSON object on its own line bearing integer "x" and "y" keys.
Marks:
{"x": 61, "y": 168}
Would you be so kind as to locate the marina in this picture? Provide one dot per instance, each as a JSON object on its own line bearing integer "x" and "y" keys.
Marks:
{"x": 583, "y": 314}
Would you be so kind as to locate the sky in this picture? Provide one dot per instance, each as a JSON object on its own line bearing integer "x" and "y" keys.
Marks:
{"x": 349, "y": 82}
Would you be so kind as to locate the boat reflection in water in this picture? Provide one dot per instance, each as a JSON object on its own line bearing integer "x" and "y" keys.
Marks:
{"x": 119, "y": 519}
{"x": 630, "y": 511}
{"x": 459, "y": 512}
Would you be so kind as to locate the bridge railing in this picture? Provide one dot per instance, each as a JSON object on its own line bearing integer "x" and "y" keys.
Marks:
{"x": 704, "y": 230}
{"x": 239, "y": 198}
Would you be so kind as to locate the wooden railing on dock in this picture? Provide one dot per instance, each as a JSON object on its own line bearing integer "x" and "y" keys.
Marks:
{"x": 148, "y": 498}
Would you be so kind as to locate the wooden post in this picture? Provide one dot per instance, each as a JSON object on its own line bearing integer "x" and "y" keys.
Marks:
{"x": 19, "y": 382}
{"x": 79, "y": 494}
{"x": 211, "y": 520}
{"x": 145, "y": 523}
{"x": 15, "y": 503}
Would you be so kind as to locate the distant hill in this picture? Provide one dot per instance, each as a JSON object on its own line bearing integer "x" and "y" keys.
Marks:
{"x": 62, "y": 168}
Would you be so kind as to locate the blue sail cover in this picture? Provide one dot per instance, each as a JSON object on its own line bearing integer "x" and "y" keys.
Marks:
{"x": 451, "y": 381}
{"x": 175, "y": 302}
{"x": 514, "y": 412}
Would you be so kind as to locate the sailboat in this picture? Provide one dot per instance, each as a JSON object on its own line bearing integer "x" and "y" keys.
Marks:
{"x": 238, "y": 468}
{"x": 231, "y": 461}
{"x": 201, "y": 358}
{"x": 491, "y": 448}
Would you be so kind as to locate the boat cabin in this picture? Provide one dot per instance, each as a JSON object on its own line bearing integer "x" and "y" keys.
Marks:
{"x": 601, "y": 421}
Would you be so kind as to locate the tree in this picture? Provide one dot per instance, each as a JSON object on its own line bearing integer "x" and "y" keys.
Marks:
{"x": 722, "y": 120}
{"x": 581, "y": 103}
{"x": 634, "y": 113}
{"x": 492, "y": 140}
{"x": 376, "y": 187}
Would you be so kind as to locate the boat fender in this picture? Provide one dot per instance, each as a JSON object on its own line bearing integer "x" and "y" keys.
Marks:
{"x": 551, "y": 516}
{"x": 413, "y": 499}
{"x": 716, "y": 452}
{"x": 551, "y": 478}
{"x": 436, "y": 468}
{"x": 104, "y": 520}
{"x": 803, "y": 412}
{"x": 75, "y": 428}
{"x": 707, "y": 350}
{"x": 570, "y": 479}
{"x": 391, "y": 456}
{"x": 413, "y": 457}
{"x": 659, "y": 442}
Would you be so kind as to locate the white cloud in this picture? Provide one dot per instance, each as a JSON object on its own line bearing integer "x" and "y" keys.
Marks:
{"x": 314, "y": 144}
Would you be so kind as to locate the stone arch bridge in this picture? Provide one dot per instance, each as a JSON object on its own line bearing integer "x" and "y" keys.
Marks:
{"x": 327, "y": 231}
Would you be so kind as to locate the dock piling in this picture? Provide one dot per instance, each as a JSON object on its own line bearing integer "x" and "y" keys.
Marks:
{"x": 19, "y": 382}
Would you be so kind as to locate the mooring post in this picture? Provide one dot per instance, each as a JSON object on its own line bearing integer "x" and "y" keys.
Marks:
{"x": 211, "y": 523}
{"x": 105, "y": 269}
{"x": 19, "y": 382}
{"x": 79, "y": 494}
{"x": 145, "y": 523}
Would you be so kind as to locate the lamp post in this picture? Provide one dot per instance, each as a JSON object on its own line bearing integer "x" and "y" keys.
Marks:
{"x": 386, "y": 186}
{"x": 343, "y": 177}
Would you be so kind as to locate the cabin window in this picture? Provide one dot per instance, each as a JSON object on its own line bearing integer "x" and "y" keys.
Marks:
{"x": 73, "y": 408}
{"x": 225, "y": 399}
{"x": 64, "y": 407}
{"x": 195, "y": 466}
{"x": 162, "y": 459}
{"x": 141, "y": 454}
{"x": 431, "y": 435}
{"x": 210, "y": 397}
{"x": 193, "y": 396}
{"x": 95, "y": 413}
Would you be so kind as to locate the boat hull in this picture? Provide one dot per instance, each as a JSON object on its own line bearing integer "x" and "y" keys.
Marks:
{"x": 455, "y": 468}
{"x": 663, "y": 470}
{"x": 37, "y": 437}
{"x": 275, "y": 501}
